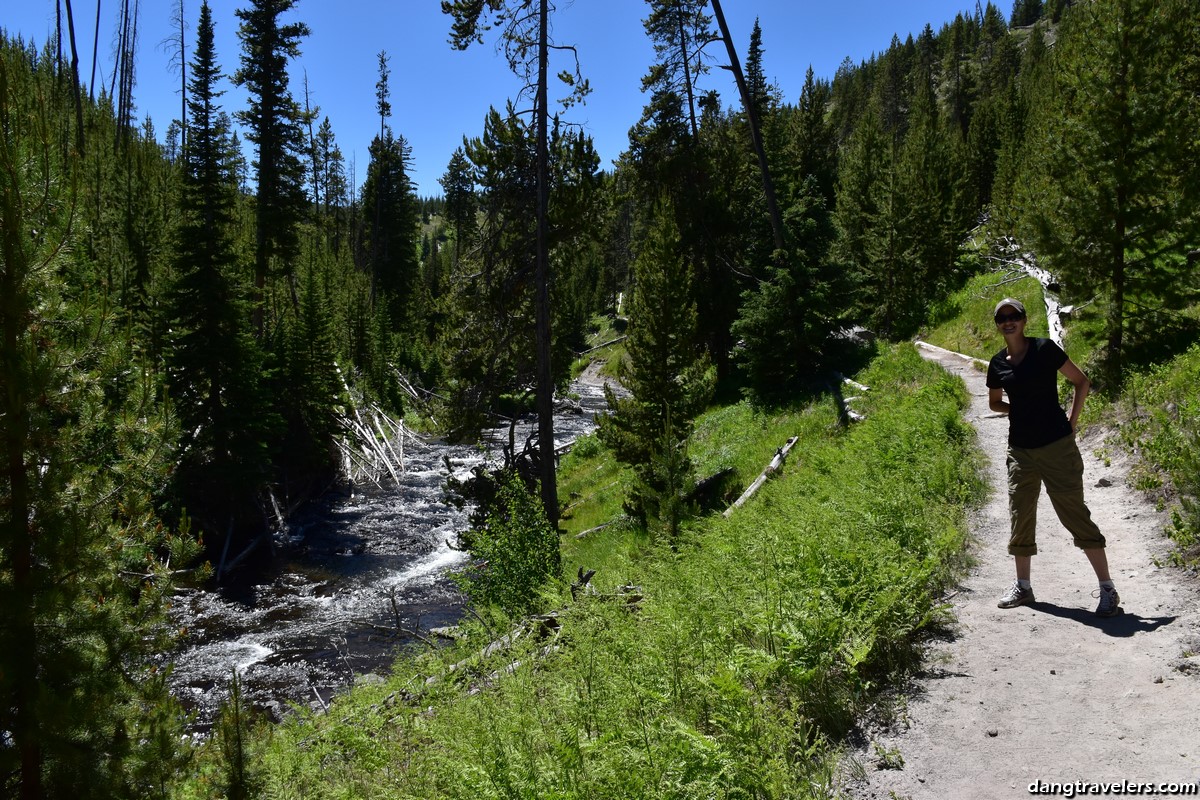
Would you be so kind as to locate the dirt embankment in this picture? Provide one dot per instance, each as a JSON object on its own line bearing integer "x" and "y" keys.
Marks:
{"x": 1049, "y": 693}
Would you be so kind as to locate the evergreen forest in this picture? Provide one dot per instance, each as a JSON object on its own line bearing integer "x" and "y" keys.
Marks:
{"x": 194, "y": 343}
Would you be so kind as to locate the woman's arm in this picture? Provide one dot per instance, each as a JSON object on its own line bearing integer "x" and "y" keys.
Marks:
{"x": 1082, "y": 386}
{"x": 996, "y": 401}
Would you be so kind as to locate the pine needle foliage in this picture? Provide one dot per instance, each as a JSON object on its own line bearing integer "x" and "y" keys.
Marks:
{"x": 1110, "y": 200}
{"x": 667, "y": 376}
{"x": 213, "y": 363}
{"x": 84, "y": 443}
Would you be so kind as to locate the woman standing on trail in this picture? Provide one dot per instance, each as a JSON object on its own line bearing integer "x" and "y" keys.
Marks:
{"x": 1042, "y": 449}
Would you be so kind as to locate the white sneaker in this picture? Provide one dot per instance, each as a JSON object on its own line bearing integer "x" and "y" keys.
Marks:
{"x": 1109, "y": 600}
{"x": 1016, "y": 596}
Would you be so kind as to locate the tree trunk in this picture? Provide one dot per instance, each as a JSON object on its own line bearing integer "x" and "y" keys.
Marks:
{"x": 687, "y": 81}
{"x": 545, "y": 380}
{"x": 182, "y": 77}
{"x": 755, "y": 129}
{"x": 95, "y": 56}
{"x": 75, "y": 80}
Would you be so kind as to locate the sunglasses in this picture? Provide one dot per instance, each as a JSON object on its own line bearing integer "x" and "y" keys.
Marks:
{"x": 1013, "y": 317}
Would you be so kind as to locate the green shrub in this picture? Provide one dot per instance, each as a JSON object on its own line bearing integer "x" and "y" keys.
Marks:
{"x": 513, "y": 553}
{"x": 1159, "y": 414}
{"x": 587, "y": 446}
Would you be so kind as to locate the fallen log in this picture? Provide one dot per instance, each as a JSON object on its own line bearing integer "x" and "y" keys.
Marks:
{"x": 853, "y": 383}
{"x": 599, "y": 527}
{"x": 846, "y": 415}
{"x": 1025, "y": 262}
{"x": 601, "y": 346}
{"x": 934, "y": 348}
{"x": 780, "y": 456}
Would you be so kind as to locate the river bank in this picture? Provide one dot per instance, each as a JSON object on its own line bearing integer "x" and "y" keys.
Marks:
{"x": 356, "y": 577}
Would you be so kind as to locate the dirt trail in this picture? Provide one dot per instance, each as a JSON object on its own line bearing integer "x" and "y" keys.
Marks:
{"x": 1049, "y": 692}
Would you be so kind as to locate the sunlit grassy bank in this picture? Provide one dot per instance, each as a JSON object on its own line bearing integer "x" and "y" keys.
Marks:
{"x": 747, "y": 656}
{"x": 1157, "y": 417}
{"x": 963, "y": 323}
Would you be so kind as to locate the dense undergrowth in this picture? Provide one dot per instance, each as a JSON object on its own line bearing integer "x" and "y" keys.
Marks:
{"x": 728, "y": 667}
{"x": 1158, "y": 418}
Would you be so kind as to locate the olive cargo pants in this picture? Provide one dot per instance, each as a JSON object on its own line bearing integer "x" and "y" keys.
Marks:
{"x": 1060, "y": 466}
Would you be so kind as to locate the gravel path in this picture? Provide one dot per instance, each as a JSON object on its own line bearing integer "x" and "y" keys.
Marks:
{"x": 1049, "y": 692}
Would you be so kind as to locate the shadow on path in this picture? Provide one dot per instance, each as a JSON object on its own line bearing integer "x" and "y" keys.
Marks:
{"x": 1123, "y": 625}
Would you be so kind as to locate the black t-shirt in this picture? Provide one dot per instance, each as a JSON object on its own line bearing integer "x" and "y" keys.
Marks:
{"x": 1035, "y": 417}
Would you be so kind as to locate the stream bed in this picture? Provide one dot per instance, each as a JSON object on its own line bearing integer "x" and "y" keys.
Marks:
{"x": 349, "y": 574}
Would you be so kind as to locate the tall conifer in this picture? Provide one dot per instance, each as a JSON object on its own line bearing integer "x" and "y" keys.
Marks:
{"x": 82, "y": 575}
{"x": 1112, "y": 196}
{"x": 213, "y": 364}
{"x": 273, "y": 125}
{"x": 667, "y": 375}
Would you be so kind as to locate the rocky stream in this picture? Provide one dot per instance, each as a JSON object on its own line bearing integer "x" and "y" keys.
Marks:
{"x": 351, "y": 578}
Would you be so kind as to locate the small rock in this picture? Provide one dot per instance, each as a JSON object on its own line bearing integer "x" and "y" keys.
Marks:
{"x": 1158, "y": 679}
{"x": 993, "y": 732}
{"x": 1104, "y": 482}
{"x": 1053, "y": 672}
{"x": 920, "y": 779}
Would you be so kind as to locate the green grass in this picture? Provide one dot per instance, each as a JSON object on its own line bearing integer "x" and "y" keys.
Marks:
{"x": 602, "y": 328}
{"x": 963, "y": 321}
{"x": 751, "y": 653}
{"x": 1157, "y": 417}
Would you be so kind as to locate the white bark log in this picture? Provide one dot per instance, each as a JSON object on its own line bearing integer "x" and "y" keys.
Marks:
{"x": 780, "y": 456}
{"x": 1027, "y": 263}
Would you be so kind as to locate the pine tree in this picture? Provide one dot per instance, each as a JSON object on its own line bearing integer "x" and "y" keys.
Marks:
{"x": 933, "y": 207}
{"x": 273, "y": 124}
{"x": 756, "y": 80}
{"x": 958, "y": 82}
{"x": 83, "y": 560}
{"x": 786, "y": 320}
{"x": 812, "y": 140}
{"x": 391, "y": 225}
{"x": 667, "y": 375}
{"x": 213, "y": 363}
{"x": 458, "y": 187}
{"x": 679, "y": 32}
{"x": 1113, "y": 197}
{"x": 1025, "y": 12}
{"x": 526, "y": 42}
{"x": 862, "y": 172}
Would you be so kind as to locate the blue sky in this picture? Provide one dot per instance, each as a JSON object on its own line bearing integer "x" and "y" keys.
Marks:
{"x": 440, "y": 94}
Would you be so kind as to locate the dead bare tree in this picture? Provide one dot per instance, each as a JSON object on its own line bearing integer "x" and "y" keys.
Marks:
{"x": 75, "y": 79}
{"x": 755, "y": 128}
